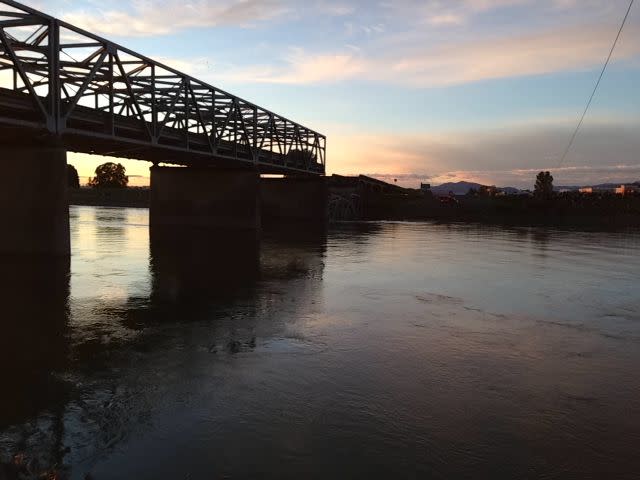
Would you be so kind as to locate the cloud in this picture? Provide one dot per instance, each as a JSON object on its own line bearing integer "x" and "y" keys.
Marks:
{"x": 461, "y": 12}
{"x": 300, "y": 67}
{"x": 163, "y": 17}
{"x": 446, "y": 19}
{"x": 338, "y": 9}
{"x": 412, "y": 56}
{"x": 167, "y": 16}
{"x": 508, "y": 56}
{"x": 352, "y": 29}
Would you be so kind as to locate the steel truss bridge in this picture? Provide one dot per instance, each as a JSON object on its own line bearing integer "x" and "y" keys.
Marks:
{"x": 94, "y": 96}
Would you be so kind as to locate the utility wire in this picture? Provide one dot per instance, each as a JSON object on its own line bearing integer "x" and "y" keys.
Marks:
{"x": 595, "y": 89}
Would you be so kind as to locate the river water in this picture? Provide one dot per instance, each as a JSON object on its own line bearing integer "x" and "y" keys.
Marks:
{"x": 377, "y": 350}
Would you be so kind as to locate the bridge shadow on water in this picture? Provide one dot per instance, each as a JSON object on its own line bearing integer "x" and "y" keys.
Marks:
{"x": 34, "y": 294}
{"x": 197, "y": 273}
{"x": 198, "y": 269}
{"x": 58, "y": 369}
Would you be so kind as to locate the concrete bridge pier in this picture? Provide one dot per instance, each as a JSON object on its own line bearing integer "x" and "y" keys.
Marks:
{"x": 204, "y": 198}
{"x": 294, "y": 199}
{"x": 34, "y": 205}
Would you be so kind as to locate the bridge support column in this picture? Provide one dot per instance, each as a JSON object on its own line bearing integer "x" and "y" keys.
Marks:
{"x": 34, "y": 204}
{"x": 294, "y": 199}
{"x": 204, "y": 197}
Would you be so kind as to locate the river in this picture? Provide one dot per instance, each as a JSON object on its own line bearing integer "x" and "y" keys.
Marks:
{"x": 374, "y": 350}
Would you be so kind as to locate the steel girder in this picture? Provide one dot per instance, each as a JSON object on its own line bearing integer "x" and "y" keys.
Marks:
{"x": 104, "y": 98}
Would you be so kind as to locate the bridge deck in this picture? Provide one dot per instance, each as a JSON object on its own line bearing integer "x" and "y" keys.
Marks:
{"x": 98, "y": 97}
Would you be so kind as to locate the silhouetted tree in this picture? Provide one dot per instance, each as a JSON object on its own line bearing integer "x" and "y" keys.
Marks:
{"x": 544, "y": 186}
{"x": 73, "y": 181}
{"x": 110, "y": 175}
{"x": 472, "y": 192}
{"x": 301, "y": 158}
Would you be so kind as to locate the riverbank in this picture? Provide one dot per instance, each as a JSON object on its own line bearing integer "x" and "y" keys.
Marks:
{"x": 563, "y": 210}
{"x": 110, "y": 197}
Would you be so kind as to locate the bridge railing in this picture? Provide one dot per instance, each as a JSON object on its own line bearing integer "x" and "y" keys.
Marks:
{"x": 82, "y": 84}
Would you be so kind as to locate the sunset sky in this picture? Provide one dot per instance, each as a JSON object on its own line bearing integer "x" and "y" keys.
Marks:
{"x": 478, "y": 90}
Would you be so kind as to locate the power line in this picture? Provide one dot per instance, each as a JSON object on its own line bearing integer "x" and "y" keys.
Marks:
{"x": 595, "y": 89}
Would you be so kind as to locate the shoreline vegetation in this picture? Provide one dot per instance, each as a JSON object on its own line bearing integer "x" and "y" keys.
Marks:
{"x": 563, "y": 209}
{"x": 567, "y": 208}
{"x": 131, "y": 197}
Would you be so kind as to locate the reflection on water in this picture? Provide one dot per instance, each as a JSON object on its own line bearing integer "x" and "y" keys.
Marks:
{"x": 379, "y": 349}
{"x": 34, "y": 296}
{"x": 210, "y": 268}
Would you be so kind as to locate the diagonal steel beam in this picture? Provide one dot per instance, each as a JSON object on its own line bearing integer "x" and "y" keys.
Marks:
{"x": 204, "y": 127}
{"x": 23, "y": 75}
{"x": 86, "y": 82}
{"x": 132, "y": 95}
{"x": 172, "y": 108}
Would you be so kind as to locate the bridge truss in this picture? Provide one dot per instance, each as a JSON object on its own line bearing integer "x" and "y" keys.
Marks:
{"x": 98, "y": 97}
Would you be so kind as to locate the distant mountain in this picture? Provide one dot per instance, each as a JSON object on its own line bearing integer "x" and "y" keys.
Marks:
{"x": 458, "y": 188}
{"x": 462, "y": 188}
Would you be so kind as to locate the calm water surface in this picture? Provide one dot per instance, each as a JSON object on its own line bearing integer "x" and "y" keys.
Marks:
{"x": 384, "y": 350}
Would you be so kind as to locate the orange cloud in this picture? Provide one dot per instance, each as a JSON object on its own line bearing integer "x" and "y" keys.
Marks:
{"x": 605, "y": 150}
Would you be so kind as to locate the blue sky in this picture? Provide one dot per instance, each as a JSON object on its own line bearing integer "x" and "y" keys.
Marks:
{"x": 432, "y": 90}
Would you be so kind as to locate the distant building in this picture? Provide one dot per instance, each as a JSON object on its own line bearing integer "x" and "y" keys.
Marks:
{"x": 425, "y": 187}
{"x": 598, "y": 189}
{"x": 606, "y": 188}
{"x": 488, "y": 191}
{"x": 627, "y": 189}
